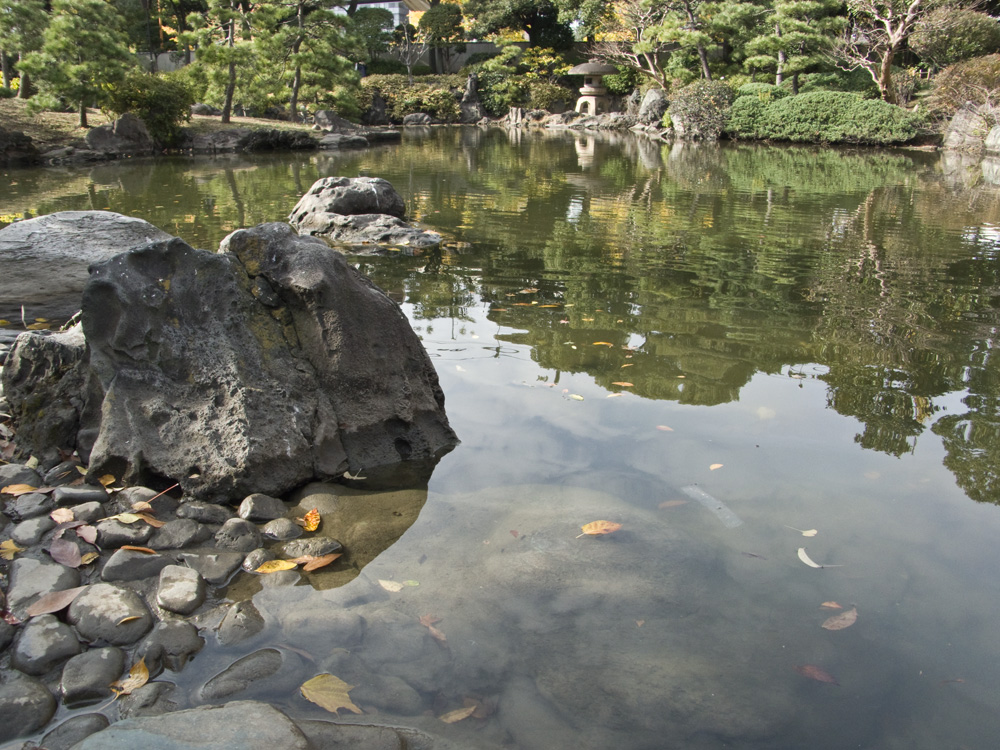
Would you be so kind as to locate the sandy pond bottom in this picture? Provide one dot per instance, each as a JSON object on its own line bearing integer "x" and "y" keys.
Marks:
{"x": 674, "y": 631}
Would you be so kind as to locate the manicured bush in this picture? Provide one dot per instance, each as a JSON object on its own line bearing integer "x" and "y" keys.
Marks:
{"x": 763, "y": 91}
{"x": 386, "y": 68}
{"x": 824, "y": 117}
{"x": 434, "y": 95}
{"x": 624, "y": 82}
{"x": 6, "y": 93}
{"x": 976, "y": 81}
{"x": 543, "y": 95}
{"x": 701, "y": 109}
{"x": 161, "y": 101}
{"x": 949, "y": 35}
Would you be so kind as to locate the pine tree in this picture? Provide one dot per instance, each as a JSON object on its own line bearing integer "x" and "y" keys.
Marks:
{"x": 221, "y": 35}
{"x": 22, "y": 23}
{"x": 83, "y": 50}
{"x": 799, "y": 39}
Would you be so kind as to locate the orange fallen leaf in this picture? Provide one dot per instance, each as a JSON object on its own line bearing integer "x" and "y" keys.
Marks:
{"x": 623, "y": 384}
{"x": 142, "y": 507}
{"x": 329, "y": 692}
{"x": 428, "y": 622}
{"x": 154, "y": 522}
{"x": 107, "y": 479}
{"x": 274, "y": 566}
{"x": 310, "y": 521}
{"x": 831, "y": 605}
{"x": 816, "y": 673}
{"x": 513, "y": 533}
{"x": 310, "y": 563}
{"x": 628, "y": 364}
{"x": 138, "y": 676}
{"x": 842, "y": 620}
{"x": 54, "y": 601}
{"x": 18, "y": 489}
{"x": 664, "y": 428}
{"x": 146, "y": 550}
{"x": 550, "y": 305}
{"x": 458, "y": 714}
{"x": 62, "y": 515}
{"x": 673, "y": 503}
{"x": 129, "y": 618}
{"x": 603, "y": 343}
{"x": 597, "y": 528}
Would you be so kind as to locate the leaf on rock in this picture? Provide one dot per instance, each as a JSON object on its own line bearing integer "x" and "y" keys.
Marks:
{"x": 273, "y": 566}
{"x": 134, "y": 548}
{"x": 831, "y": 605}
{"x": 8, "y": 549}
{"x": 152, "y": 521}
{"x": 142, "y": 506}
{"x": 310, "y": 563}
{"x": 18, "y": 489}
{"x": 310, "y": 521}
{"x": 597, "y": 528}
{"x": 65, "y": 553}
{"x": 458, "y": 714}
{"x": 393, "y": 586}
{"x": 842, "y": 620}
{"x": 89, "y": 557}
{"x": 816, "y": 673}
{"x": 54, "y": 602}
{"x": 126, "y": 518}
{"x": 329, "y": 692}
{"x": 87, "y": 534}
{"x": 128, "y": 618}
{"x": 62, "y": 515}
{"x": 138, "y": 676}
{"x": 107, "y": 480}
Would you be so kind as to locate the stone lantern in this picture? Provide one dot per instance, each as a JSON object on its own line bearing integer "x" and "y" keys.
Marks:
{"x": 594, "y": 98}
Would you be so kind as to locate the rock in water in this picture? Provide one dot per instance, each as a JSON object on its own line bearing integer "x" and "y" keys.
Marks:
{"x": 254, "y": 370}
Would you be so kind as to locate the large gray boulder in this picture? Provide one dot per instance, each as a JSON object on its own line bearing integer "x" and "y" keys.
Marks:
{"x": 17, "y": 149}
{"x": 654, "y": 105}
{"x": 126, "y": 136}
{"x": 357, "y": 211}
{"x": 471, "y": 107}
{"x": 967, "y": 130}
{"x": 330, "y": 121}
{"x": 43, "y": 261}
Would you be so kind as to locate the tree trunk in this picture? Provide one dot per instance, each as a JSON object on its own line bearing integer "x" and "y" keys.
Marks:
{"x": 779, "y": 75}
{"x": 24, "y": 91}
{"x": 885, "y": 86}
{"x": 5, "y": 65}
{"x": 703, "y": 57}
{"x": 227, "y": 106}
{"x": 795, "y": 84}
{"x": 293, "y": 101}
{"x": 83, "y": 114}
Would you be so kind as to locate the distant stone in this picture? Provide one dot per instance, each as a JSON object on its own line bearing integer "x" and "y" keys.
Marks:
{"x": 26, "y": 706}
{"x": 73, "y": 730}
{"x": 107, "y": 613}
{"x": 248, "y": 725}
{"x": 418, "y": 118}
{"x": 967, "y": 130}
{"x": 180, "y": 590}
{"x": 30, "y": 579}
{"x": 203, "y": 109}
{"x": 343, "y": 141}
{"x": 17, "y": 149}
{"x": 238, "y": 676}
{"x": 260, "y": 508}
{"x": 366, "y": 229}
{"x": 170, "y": 645}
{"x": 133, "y": 565}
{"x": 992, "y": 142}
{"x": 238, "y": 535}
{"x": 43, "y": 643}
{"x": 350, "y": 196}
{"x": 127, "y": 136}
{"x": 277, "y": 140}
{"x": 86, "y": 677}
{"x": 241, "y": 621}
{"x": 654, "y": 105}
{"x": 330, "y": 121}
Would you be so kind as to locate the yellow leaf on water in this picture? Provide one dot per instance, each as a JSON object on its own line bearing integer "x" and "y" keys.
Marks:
{"x": 804, "y": 532}
{"x": 597, "y": 528}
{"x": 603, "y": 343}
{"x": 576, "y": 397}
{"x": 8, "y": 549}
{"x": 628, "y": 364}
{"x": 138, "y": 676}
{"x": 329, "y": 692}
{"x": 273, "y": 566}
{"x": 806, "y": 559}
{"x": 458, "y": 714}
{"x": 831, "y": 605}
{"x": 393, "y": 586}
{"x": 713, "y": 467}
{"x": 842, "y": 620}
{"x": 310, "y": 521}
{"x": 623, "y": 384}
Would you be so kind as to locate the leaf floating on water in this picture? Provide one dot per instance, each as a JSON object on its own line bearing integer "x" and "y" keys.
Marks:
{"x": 803, "y": 532}
{"x": 672, "y": 504}
{"x": 54, "y": 602}
{"x": 842, "y": 620}
{"x": 138, "y": 676}
{"x": 623, "y": 384}
{"x": 613, "y": 395}
{"x": 628, "y": 364}
{"x": 411, "y": 583}
{"x": 329, "y": 692}
{"x": 393, "y": 586}
{"x": 831, "y": 605}
{"x": 664, "y": 428}
{"x": 310, "y": 521}
{"x": 713, "y": 467}
{"x": 810, "y": 562}
{"x": 310, "y": 563}
{"x": 354, "y": 477}
{"x": 576, "y": 397}
{"x": 428, "y": 622}
{"x": 640, "y": 623}
{"x": 597, "y": 528}
{"x": 275, "y": 566}
{"x": 816, "y": 673}
{"x": 603, "y": 343}
{"x": 458, "y": 714}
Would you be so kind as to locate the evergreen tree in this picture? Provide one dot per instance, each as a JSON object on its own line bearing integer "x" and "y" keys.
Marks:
{"x": 374, "y": 27}
{"x": 799, "y": 39}
{"x": 539, "y": 19}
{"x": 222, "y": 38}
{"x": 22, "y": 23}
{"x": 83, "y": 49}
{"x": 442, "y": 27}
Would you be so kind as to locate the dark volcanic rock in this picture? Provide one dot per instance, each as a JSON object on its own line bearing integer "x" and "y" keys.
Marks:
{"x": 350, "y": 195}
{"x": 127, "y": 136}
{"x": 26, "y": 706}
{"x": 16, "y": 149}
{"x": 366, "y": 229}
{"x": 42, "y": 644}
{"x": 87, "y": 676}
{"x": 73, "y": 730}
{"x": 98, "y": 614}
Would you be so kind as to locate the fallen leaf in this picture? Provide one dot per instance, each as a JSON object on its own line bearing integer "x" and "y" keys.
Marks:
{"x": 18, "y": 489}
{"x": 310, "y": 521}
{"x": 803, "y": 532}
{"x": 956, "y": 679}
{"x": 134, "y": 548}
{"x": 393, "y": 586}
{"x": 810, "y": 562}
{"x": 329, "y": 692}
{"x": 842, "y": 620}
{"x": 831, "y": 605}
{"x": 576, "y": 397}
{"x": 603, "y": 343}
{"x": 513, "y": 533}
{"x": 129, "y": 618}
{"x": 310, "y": 563}
{"x": 8, "y": 549}
{"x": 664, "y": 428}
{"x": 53, "y": 602}
{"x": 126, "y": 518}
{"x": 107, "y": 480}
{"x": 713, "y": 467}
{"x": 151, "y": 520}
{"x": 623, "y": 384}
{"x": 428, "y": 620}
{"x": 273, "y": 566}
{"x": 142, "y": 507}
{"x": 550, "y": 305}
{"x": 613, "y": 395}
{"x": 61, "y": 515}
{"x": 89, "y": 557}
{"x": 640, "y": 623}
{"x": 355, "y": 477}
{"x": 629, "y": 364}
{"x": 458, "y": 714}
{"x": 585, "y": 320}
{"x": 87, "y": 534}
{"x": 673, "y": 503}
{"x": 138, "y": 676}
{"x": 816, "y": 673}
{"x": 597, "y": 528}
{"x": 436, "y": 634}
{"x": 65, "y": 552}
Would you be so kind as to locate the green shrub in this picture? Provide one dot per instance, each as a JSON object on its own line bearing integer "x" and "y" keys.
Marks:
{"x": 161, "y": 101}
{"x": 624, "y": 82}
{"x": 949, "y": 35}
{"x": 543, "y": 95}
{"x": 976, "y": 80}
{"x": 434, "y": 95}
{"x": 386, "y": 68}
{"x": 765, "y": 92}
{"x": 475, "y": 59}
{"x": 824, "y": 117}
{"x": 6, "y": 93}
{"x": 701, "y": 109}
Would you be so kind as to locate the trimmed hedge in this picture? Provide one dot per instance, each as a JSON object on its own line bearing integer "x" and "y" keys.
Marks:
{"x": 162, "y": 101}
{"x": 823, "y": 117}
{"x": 701, "y": 109}
{"x": 435, "y": 95}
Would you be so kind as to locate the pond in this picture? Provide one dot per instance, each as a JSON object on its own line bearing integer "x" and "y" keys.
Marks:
{"x": 752, "y": 358}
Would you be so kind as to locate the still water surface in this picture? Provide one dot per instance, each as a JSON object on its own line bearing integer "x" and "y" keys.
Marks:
{"x": 680, "y": 340}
